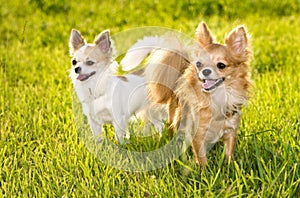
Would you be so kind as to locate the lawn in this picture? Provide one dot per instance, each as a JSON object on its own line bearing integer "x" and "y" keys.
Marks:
{"x": 42, "y": 153}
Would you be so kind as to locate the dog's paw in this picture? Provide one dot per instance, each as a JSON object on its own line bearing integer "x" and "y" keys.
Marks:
{"x": 99, "y": 140}
{"x": 159, "y": 127}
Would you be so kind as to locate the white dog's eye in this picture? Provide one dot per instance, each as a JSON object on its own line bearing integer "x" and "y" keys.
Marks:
{"x": 74, "y": 62}
{"x": 89, "y": 62}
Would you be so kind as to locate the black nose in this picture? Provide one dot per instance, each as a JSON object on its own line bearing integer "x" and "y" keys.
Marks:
{"x": 77, "y": 70}
{"x": 206, "y": 72}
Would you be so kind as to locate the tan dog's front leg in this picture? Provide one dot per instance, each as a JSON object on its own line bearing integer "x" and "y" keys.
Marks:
{"x": 230, "y": 137}
{"x": 199, "y": 149}
{"x": 198, "y": 143}
{"x": 229, "y": 140}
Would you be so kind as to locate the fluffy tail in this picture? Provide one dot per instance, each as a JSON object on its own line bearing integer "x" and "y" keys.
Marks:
{"x": 139, "y": 51}
{"x": 142, "y": 48}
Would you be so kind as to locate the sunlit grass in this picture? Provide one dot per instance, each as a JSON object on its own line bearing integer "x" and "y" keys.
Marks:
{"x": 42, "y": 153}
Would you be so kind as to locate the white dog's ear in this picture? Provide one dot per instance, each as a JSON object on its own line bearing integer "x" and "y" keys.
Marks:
{"x": 103, "y": 41}
{"x": 237, "y": 40}
{"x": 76, "y": 41}
{"x": 204, "y": 35}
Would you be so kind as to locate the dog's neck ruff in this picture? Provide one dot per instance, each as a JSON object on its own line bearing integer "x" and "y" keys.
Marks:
{"x": 103, "y": 78}
{"x": 227, "y": 101}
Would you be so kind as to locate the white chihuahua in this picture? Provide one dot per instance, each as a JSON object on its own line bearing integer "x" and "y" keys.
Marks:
{"x": 105, "y": 97}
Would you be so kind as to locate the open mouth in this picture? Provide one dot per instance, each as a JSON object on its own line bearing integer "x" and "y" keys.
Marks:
{"x": 211, "y": 84}
{"x": 83, "y": 77}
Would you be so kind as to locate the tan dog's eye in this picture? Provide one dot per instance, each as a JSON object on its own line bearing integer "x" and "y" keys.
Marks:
{"x": 74, "y": 62}
{"x": 199, "y": 64}
{"x": 221, "y": 65}
{"x": 90, "y": 62}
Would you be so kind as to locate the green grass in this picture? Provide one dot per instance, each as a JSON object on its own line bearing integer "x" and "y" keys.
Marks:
{"x": 41, "y": 152}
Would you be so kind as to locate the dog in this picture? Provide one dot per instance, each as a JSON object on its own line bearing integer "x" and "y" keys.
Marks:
{"x": 206, "y": 86}
{"x": 105, "y": 97}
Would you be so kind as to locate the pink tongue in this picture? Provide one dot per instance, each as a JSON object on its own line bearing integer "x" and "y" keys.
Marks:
{"x": 208, "y": 84}
{"x": 81, "y": 77}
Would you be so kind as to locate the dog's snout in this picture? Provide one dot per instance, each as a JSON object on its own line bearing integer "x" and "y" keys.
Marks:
{"x": 77, "y": 70}
{"x": 206, "y": 72}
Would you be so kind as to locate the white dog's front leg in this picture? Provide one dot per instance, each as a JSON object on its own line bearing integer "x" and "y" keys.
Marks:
{"x": 96, "y": 129}
{"x": 120, "y": 127}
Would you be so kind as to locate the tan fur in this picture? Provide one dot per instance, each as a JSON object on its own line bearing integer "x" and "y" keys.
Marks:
{"x": 218, "y": 112}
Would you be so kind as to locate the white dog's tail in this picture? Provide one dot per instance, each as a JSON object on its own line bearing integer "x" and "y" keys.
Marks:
{"x": 142, "y": 48}
{"x": 139, "y": 51}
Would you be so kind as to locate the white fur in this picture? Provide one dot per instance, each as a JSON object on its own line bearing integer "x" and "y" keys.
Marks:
{"x": 138, "y": 52}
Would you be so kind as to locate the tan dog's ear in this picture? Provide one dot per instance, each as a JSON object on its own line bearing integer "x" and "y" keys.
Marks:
{"x": 76, "y": 41}
{"x": 103, "y": 41}
{"x": 237, "y": 40}
{"x": 204, "y": 35}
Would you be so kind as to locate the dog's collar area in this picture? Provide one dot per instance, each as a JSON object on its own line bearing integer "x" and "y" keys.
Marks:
{"x": 83, "y": 77}
{"x": 211, "y": 84}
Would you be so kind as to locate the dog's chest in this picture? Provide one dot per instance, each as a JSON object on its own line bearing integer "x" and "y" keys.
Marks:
{"x": 223, "y": 103}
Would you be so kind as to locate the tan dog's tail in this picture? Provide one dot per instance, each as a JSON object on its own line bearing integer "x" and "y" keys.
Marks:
{"x": 164, "y": 69}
